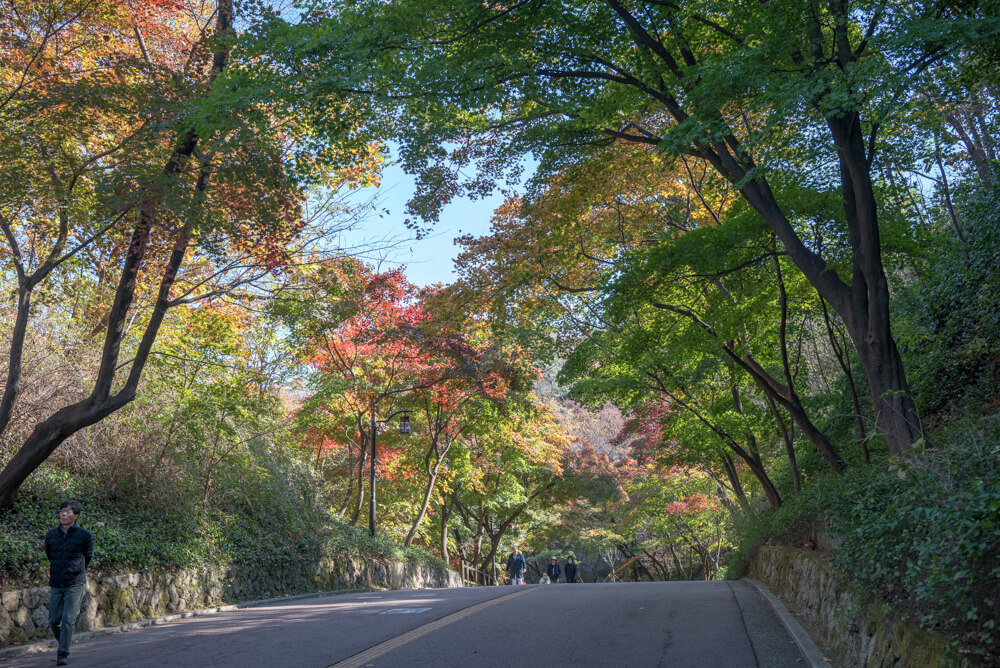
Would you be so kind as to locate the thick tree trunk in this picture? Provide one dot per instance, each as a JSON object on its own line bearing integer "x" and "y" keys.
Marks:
{"x": 13, "y": 385}
{"x": 866, "y": 311}
{"x": 49, "y": 435}
{"x": 864, "y": 304}
{"x": 52, "y": 432}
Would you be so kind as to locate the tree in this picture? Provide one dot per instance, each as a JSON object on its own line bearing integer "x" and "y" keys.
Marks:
{"x": 360, "y": 329}
{"x": 136, "y": 119}
{"x": 477, "y": 377}
{"x": 754, "y": 90}
{"x": 506, "y": 473}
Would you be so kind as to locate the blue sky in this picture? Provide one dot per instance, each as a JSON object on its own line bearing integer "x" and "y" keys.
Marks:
{"x": 428, "y": 260}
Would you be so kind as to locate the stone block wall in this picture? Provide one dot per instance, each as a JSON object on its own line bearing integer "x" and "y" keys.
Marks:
{"x": 120, "y": 599}
{"x": 859, "y": 631}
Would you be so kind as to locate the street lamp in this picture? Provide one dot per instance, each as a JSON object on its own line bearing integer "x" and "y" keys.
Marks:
{"x": 404, "y": 428}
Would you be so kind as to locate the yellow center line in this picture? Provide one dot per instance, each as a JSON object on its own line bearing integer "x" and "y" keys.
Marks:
{"x": 372, "y": 653}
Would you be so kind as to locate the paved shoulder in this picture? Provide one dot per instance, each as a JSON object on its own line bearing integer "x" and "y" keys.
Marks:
{"x": 772, "y": 644}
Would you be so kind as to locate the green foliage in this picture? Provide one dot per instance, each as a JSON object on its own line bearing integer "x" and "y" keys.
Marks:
{"x": 346, "y": 539}
{"x": 948, "y": 323}
{"x": 269, "y": 518}
{"x": 789, "y": 524}
{"x": 923, "y": 535}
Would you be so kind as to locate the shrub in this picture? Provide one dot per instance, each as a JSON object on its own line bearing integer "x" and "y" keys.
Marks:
{"x": 923, "y": 536}
{"x": 926, "y": 535}
{"x": 271, "y": 519}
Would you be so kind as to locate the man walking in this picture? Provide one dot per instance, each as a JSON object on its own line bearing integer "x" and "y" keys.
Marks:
{"x": 570, "y": 569}
{"x": 69, "y": 549}
{"x": 553, "y": 570}
{"x": 516, "y": 566}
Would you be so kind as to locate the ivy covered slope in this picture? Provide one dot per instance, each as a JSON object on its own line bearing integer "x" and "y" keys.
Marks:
{"x": 923, "y": 533}
{"x": 263, "y": 514}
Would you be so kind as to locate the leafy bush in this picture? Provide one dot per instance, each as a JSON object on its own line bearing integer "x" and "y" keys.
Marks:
{"x": 271, "y": 519}
{"x": 788, "y": 525}
{"x": 926, "y": 535}
{"x": 948, "y": 324}
{"x": 923, "y": 535}
{"x": 345, "y": 539}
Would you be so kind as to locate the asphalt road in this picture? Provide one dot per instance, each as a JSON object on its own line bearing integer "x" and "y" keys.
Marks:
{"x": 674, "y": 624}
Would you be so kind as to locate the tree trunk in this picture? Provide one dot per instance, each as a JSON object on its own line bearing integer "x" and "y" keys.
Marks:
{"x": 859, "y": 423}
{"x": 13, "y": 385}
{"x": 754, "y": 464}
{"x": 786, "y": 436}
{"x": 446, "y": 510}
{"x": 787, "y": 397}
{"x": 63, "y": 423}
{"x": 432, "y": 476}
{"x": 359, "y": 479}
{"x": 734, "y": 479}
{"x": 866, "y": 311}
{"x": 424, "y": 505}
{"x": 677, "y": 561}
{"x": 864, "y": 304}
{"x": 49, "y": 435}
{"x": 782, "y": 393}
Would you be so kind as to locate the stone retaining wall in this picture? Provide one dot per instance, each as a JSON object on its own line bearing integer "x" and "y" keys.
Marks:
{"x": 860, "y": 632}
{"x": 119, "y": 599}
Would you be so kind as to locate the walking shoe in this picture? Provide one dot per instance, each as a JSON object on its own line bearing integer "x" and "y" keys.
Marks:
{"x": 62, "y": 661}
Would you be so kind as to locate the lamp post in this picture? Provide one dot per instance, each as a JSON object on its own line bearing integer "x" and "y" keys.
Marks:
{"x": 404, "y": 428}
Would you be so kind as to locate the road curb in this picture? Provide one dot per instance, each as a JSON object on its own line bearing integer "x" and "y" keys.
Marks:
{"x": 810, "y": 652}
{"x": 52, "y": 643}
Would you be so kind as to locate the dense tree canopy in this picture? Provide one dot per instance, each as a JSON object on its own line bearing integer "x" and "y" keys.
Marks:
{"x": 772, "y": 97}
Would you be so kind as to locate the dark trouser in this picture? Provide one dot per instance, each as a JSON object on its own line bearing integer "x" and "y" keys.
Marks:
{"x": 64, "y": 606}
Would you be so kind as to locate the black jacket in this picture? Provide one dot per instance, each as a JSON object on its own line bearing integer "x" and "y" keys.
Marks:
{"x": 570, "y": 571}
{"x": 553, "y": 571}
{"x": 69, "y": 555}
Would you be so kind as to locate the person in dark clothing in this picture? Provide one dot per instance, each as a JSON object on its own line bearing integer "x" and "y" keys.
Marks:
{"x": 516, "y": 566}
{"x": 570, "y": 570}
{"x": 553, "y": 570}
{"x": 69, "y": 549}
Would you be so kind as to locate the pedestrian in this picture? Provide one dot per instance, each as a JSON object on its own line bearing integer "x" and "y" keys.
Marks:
{"x": 570, "y": 569}
{"x": 553, "y": 570}
{"x": 516, "y": 566}
{"x": 69, "y": 549}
